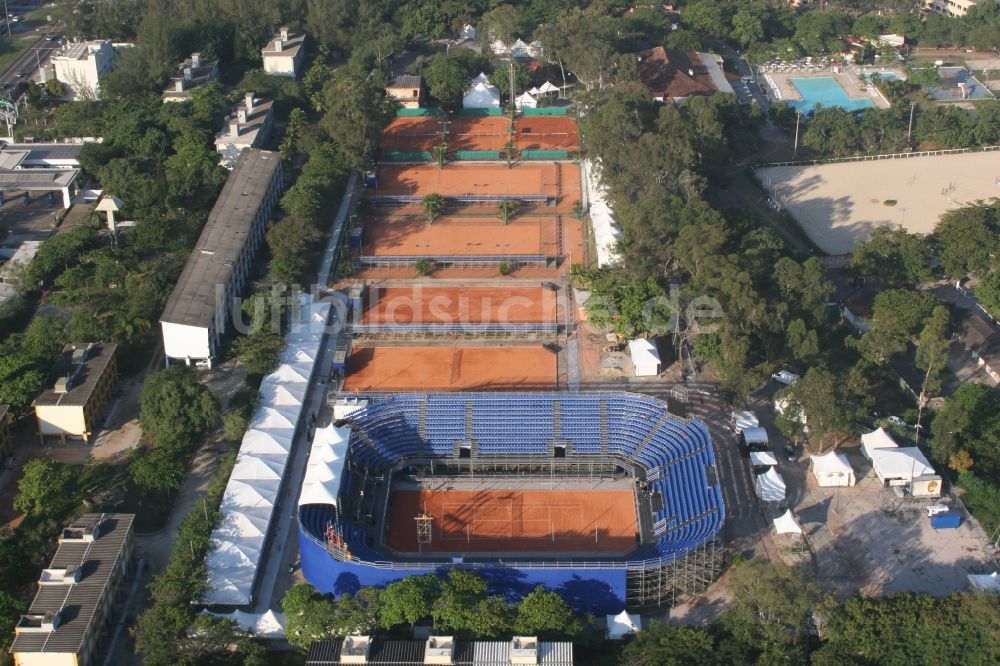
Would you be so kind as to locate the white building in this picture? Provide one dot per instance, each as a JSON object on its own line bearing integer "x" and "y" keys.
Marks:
{"x": 832, "y": 470}
{"x": 81, "y": 65}
{"x": 193, "y": 72}
{"x": 283, "y": 55}
{"x": 906, "y": 468}
{"x": 645, "y": 357}
{"x": 952, "y": 7}
{"x": 247, "y": 127}
{"x": 199, "y": 308}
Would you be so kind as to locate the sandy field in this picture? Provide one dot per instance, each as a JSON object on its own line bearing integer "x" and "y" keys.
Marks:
{"x": 450, "y": 368}
{"x": 838, "y": 205}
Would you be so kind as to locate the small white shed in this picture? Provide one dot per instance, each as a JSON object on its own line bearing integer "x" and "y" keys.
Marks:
{"x": 832, "y": 470}
{"x": 645, "y": 357}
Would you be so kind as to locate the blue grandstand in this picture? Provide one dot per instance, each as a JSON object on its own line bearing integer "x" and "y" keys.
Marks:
{"x": 632, "y": 438}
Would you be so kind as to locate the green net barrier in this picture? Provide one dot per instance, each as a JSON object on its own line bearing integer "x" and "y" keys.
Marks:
{"x": 547, "y": 111}
{"x": 545, "y": 154}
{"x": 477, "y": 154}
{"x": 494, "y": 111}
{"x": 407, "y": 156}
{"x": 404, "y": 113}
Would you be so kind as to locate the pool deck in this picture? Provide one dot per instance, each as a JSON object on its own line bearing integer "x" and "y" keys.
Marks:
{"x": 847, "y": 78}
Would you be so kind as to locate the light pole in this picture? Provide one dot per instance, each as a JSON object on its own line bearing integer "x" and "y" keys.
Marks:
{"x": 795, "y": 149}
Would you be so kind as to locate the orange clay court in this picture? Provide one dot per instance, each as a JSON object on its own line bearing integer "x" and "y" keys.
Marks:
{"x": 411, "y": 235}
{"x": 472, "y": 305}
{"x": 546, "y": 133}
{"x": 411, "y": 133}
{"x": 597, "y": 521}
{"x": 553, "y": 180}
{"x": 479, "y": 133}
{"x": 450, "y": 368}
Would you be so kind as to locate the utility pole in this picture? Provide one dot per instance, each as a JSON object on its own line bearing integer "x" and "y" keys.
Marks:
{"x": 512, "y": 91}
{"x": 6, "y": 17}
{"x": 909, "y": 130}
{"x": 795, "y": 149}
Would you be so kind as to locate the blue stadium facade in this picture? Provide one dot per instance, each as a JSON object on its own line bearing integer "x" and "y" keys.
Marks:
{"x": 670, "y": 460}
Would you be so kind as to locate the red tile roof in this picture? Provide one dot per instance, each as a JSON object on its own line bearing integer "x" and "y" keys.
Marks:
{"x": 671, "y": 74}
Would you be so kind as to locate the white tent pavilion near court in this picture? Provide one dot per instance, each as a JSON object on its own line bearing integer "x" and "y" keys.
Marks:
{"x": 763, "y": 458}
{"x": 547, "y": 88}
{"x": 602, "y": 219}
{"x": 832, "y": 470}
{"x": 327, "y": 458}
{"x": 481, "y": 78}
{"x": 261, "y": 625}
{"x": 786, "y": 524}
{"x": 526, "y": 101}
{"x": 877, "y": 439}
{"x": 238, "y": 542}
{"x": 770, "y": 486}
{"x": 744, "y": 420}
{"x": 481, "y": 96}
{"x": 645, "y": 357}
{"x": 622, "y": 625}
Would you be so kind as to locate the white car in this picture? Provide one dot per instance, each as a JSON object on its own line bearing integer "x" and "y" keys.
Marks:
{"x": 785, "y": 377}
{"x": 942, "y": 506}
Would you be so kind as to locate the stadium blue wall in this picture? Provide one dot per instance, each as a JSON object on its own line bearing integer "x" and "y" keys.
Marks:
{"x": 598, "y": 591}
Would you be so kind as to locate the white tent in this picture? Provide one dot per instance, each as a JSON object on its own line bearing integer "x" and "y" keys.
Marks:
{"x": 481, "y": 96}
{"x": 520, "y": 49}
{"x": 548, "y": 88}
{"x": 265, "y": 625}
{"x": 832, "y": 469}
{"x": 468, "y": 32}
{"x": 526, "y": 101}
{"x": 622, "y": 625}
{"x": 786, "y": 524}
{"x": 247, "y": 508}
{"x": 985, "y": 582}
{"x": 755, "y": 435}
{"x": 877, "y": 439}
{"x": 325, "y": 467}
{"x": 645, "y": 357}
{"x": 762, "y": 458}
{"x": 900, "y": 464}
{"x": 481, "y": 78}
{"x": 744, "y": 420}
{"x": 770, "y": 486}
{"x": 499, "y": 47}
{"x": 535, "y": 91}
{"x": 602, "y": 219}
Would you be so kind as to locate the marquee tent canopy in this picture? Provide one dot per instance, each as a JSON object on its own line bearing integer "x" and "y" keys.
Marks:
{"x": 832, "y": 469}
{"x": 877, "y": 439}
{"x": 761, "y": 458}
{"x": 770, "y": 486}
{"x": 786, "y": 524}
{"x": 326, "y": 465}
{"x": 744, "y": 420}
{"x": 622, "y": 625}
{"x": 481, "y": 96}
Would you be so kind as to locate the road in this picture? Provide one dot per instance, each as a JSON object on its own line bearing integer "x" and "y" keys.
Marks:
{"x": 744, "y": 69}
{"x": 41, "y": 50}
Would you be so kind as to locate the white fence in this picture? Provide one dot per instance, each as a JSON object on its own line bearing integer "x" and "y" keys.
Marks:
{"x": 886, "y": 156}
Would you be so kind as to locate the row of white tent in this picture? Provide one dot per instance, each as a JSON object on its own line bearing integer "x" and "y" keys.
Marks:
{"x": 237, "y": 543}
{"x": 519, "y": 49}
{"x": 484, "y": 95}
{"x": 602, "y": 217}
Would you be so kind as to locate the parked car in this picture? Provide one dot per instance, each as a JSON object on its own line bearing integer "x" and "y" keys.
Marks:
{"x": 785, "y": 377}
{"x": 941, "y": 506}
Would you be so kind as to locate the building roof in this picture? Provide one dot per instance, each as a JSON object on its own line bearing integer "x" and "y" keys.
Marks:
{"x": 407, "y": 81}
{"x": 467, "y": 653}
{"x": 201, "y": 75}
{"x": 670, "y": 74}
{"x": 42, "y": 152}
{"x": 257, "y": 119}
{"x": 80, "y": 50}
{"x": 76, "y": 601}
{"x": 979, "y": 336}
{"x": 901, "y": 463}
{"x": 84, "y": 363}
{"x": 193, "y": 300}
{"x": 289, "y": 47}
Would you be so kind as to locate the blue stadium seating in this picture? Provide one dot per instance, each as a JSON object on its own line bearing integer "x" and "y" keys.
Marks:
{"x": 674, "y": 452}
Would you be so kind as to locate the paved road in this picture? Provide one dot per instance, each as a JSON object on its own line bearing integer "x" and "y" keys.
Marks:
{"x": 743, "y": 68}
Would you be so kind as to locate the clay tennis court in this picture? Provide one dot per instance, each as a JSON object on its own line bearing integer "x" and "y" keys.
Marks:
{"x": 448, "y": 305}
{"x": 546, "y": 133}
{"x": 450, "y": 368}
{"x": 411, "y": 235}
{"x": 479, "y": 133}
{"x": 411, "y": 134}
{"x": 469, "y": 179}
{"x": 465, "y": 521}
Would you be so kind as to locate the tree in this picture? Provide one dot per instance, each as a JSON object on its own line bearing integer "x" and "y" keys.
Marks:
{"x": 441, "y": 154}
{"x": 409, "y": 600}
{"x": 503, "y": 22}
{"x": 968, "y": 239}
{"x": 988, "y": 292}
{"x": 706, "y": 16}
{"x": 662, "y": 644}
{"x": 311, "y": 615}
{"x": 161, "y": 469}
{"x": 47, "y": 488}
{"x": 448, "y": 78}
{"x": 356, "y": 111}
{"x": 897, "y": 315}
{"x": 11, "y": 609}
{"x": 433, "y": 204}
{"x": 458, "y": 607}
{"x": 772, "y": 604}
{"x": 259, "y": 351}
{"x": 546, "y": 615}
{"x": 894, "y": 255}
{"x": 506, "y": 208}
{"x": 174, "y": 406}
{"x": 20, "y": 380}
{"x": 932, "y": 354}
{"x": 510, "y": 151}
{"x": 826, "y": 402}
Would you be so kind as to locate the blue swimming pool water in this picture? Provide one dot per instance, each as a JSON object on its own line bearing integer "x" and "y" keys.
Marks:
{"x": 824, "y": 90}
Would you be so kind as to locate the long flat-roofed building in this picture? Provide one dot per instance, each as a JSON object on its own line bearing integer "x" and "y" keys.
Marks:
{"x": 196, "y": 314}
{"x": 67, "y": 622}
{"x": 79, "y": 388}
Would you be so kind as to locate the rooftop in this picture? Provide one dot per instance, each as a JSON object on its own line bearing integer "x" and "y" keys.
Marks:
{"x": 289, "y": 47}
{"x": 407, "y": 81}
{"x": 84, "y": 363}
{"x": 13, "y": 155}
{"x": 256, "y": 118}
{"x": 670, "y": 74}
{"x": 70, "y": 590}
{"x": 80, "y": 50}
{"x": 979, "y": 336}
{"x": 192, "y": 72}
{"x": 193, "y": 300}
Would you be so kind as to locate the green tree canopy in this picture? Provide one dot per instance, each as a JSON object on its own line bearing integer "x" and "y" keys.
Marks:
{"x": 545, "y": 614}
{"x": 409, "y": 600}
{"x": 174, "y": 406}
{"x": 47, "y": 488}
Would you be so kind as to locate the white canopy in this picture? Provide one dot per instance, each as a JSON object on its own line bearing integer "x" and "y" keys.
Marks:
{"x": 756, "y": 435}
{"x": 535, "y": 91}
{"x": 262, "y": 625}
{"x": 832, "y": 469}
{"x": 744, "y": 420}
{"x": 645, "y": 357}
{"x": 247, "y": 508}
{"x": 526, "y": 101}
{"x": 786, "y": 524}
{"x": 606, "y": 230}
{"x": 498, "y": 47}
{"x": 901, "y": 463}
{"x": 481, "y": 96}
{"x": 548, "y": 88}
{"x": 623, "y": 624}
{"x": 985, "y": 582}
{"x": 481, "y": 78}
{"x": 520, "y": 48}
{"x": 877, "y": 439}
{"x": 770, "y": 486}
{"x": 325, "y": 467}
{"x": 758, "y": 458}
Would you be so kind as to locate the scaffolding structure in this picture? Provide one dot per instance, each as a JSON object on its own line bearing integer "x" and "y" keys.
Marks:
{"x": 424, "y": 534}
{"x": 657, "y": 584}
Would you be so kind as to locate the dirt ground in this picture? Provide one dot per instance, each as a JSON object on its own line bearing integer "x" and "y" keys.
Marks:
{"x": 838, "y": 205}
{"x": 446, "y": 305}
{"x": 450, "y": 368}
{"x": 412, "y": 235}
{"x": 599, "y": 521}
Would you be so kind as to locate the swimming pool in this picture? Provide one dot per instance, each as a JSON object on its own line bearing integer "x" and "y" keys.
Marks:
{"x": 824, "y": 90}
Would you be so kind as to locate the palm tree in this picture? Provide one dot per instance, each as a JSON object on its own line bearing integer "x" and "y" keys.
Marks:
{"x": 506, "y": 209}
{"x": 440, "y": 153}
{"x": 433, "y": 205}
{"x": 123, "y": 325}
{"x": 510, "y": 150}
